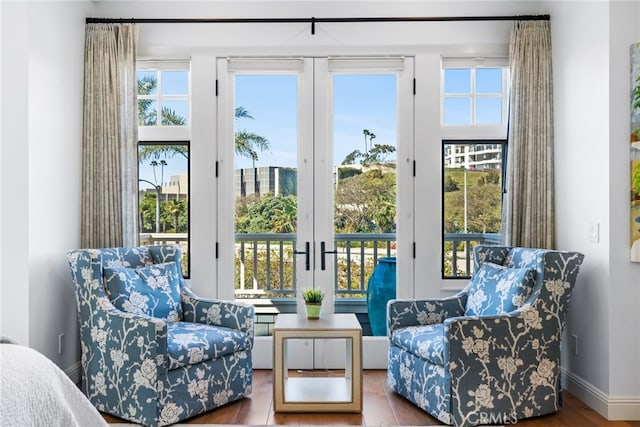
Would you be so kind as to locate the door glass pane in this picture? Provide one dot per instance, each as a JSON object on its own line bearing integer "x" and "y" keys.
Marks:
{"x": 265, "y": 185}
{"x": 163, "y": 196}
{"x": 364, "y": 135}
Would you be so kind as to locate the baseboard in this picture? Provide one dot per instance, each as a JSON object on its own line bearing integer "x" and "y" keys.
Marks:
{"x": 74, "y": 372}
{"x": 611, "y": 408}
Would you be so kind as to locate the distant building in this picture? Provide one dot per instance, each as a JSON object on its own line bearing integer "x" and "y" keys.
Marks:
{"x": 178, "y": 186}
{"x": 263, "y": 180}
{"x": 476, "y": 156}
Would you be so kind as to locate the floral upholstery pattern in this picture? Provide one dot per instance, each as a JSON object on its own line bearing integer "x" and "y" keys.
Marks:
{"x": 153, "y": 290}
{"x": 192, "y": 343}
{"x": 491, "y": 369}
{"x": 498, "y": 290}
{"x": 425, "y": 341}
{"x": 145, "y": 369}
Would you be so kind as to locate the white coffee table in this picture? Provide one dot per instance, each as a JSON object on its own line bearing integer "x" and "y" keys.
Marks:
{"x": 318, "y": 393}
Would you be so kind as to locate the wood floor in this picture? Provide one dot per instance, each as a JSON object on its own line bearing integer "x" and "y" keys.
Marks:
{"x": 380, "y": 408}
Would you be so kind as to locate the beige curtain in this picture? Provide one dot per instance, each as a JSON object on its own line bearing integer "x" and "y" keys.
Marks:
{"x": 109, "y": 156}
{"x": 528, "y": 211}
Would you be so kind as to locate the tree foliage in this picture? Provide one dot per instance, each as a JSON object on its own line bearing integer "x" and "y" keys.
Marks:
{"x": 376, "y": 155}
{"x": 147, "y": 114}
{"x": 636, "y": 94}
{"x": 173, "y": 214}
{"x": 266, "y": 214}
{"x": 247, "y": 144}
{"x": 366, "y": 203}
{"x": 161, "y": 151}
{"x": 635, "y": 178}
{"x": 450, "y": 184}
{"x": 484, "y": 201}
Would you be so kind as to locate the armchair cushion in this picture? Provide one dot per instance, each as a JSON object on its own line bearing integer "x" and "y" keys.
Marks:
{"x": 425, "y": 341}
{"x": 498, "y": 290}
{"x": 191, "y": 343}
{"x": 153, "y": 290}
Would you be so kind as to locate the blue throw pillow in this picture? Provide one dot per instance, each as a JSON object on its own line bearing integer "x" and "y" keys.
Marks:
{"x": 498, "y": 290}
{"x": 153, "y": 290}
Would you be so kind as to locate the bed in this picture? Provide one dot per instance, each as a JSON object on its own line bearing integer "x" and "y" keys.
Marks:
{"x": 35, "y": 392}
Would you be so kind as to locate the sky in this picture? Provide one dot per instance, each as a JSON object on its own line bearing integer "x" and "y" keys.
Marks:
{"x": 360, "y": 102}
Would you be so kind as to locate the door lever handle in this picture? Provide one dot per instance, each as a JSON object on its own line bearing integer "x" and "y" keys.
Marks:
{"x": 306, "y": 252}
{"x": 323, "y": 251}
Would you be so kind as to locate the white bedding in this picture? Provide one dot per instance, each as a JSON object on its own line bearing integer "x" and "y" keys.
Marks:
{"x": 35, "y": 392}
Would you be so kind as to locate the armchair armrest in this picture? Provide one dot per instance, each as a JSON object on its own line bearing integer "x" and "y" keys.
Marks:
{"x": 411, "y": 312}
{"x": 119, "y": 345}
{"x": 229, "y": 314}
{"x": 507, "y": 364}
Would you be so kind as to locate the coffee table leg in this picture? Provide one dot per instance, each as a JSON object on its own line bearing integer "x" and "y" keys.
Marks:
{"x": 348, "y": 364}
{"x": 285, "y": 369}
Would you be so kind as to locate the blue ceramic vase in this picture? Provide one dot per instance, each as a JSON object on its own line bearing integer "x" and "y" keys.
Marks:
{"x": 380, "y": 289}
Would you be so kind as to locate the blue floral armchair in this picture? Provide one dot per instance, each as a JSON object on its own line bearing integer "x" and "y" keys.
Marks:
{"x": 152, "y": 351}
{"x": 491, "y": 353}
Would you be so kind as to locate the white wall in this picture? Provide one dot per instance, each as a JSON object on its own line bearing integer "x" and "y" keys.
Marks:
{"x": 56, "y": 67}
{"x": 14, "y": 277}
{"x": 41, "y": 141}
{"x": 591, "y": 91}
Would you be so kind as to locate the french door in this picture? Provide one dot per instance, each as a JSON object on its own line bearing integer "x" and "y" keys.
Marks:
{"x": 308, "y": 153}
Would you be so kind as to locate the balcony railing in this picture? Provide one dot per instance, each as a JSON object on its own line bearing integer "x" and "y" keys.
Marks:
{"x": 458, "y": 252}
{"x": 182, "y": 239}
{"x": 265, "y": 264}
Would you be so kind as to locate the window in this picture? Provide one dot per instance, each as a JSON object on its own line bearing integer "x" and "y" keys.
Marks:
{"x": 474, "y": 129}
{"x": 163, "y": 154}
{"x": 163, "y": 195}
{"x": 474, "y": 96}
{"x": 163, "y": 88}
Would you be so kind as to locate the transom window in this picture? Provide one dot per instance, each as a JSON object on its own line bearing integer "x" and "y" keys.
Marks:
{"x": 163, "y": 88}
{"x": 474, "y": 95}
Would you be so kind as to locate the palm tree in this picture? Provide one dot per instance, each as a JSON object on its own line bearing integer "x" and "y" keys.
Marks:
{"x": 162, "y": 164}
{"x": 146, "y": 85}
{"x": 148, "y": 116}
{"x": 154, "y": 164}
{"x": 366, "y": 133}
{"x": 174, "y": 208}
{"x": 371, "y": 135}
{"x": 247, "y": 143}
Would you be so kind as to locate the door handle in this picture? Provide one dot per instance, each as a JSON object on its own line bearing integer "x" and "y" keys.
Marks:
{"x": 306, "y": 252}
{"x": 323, "y": 251}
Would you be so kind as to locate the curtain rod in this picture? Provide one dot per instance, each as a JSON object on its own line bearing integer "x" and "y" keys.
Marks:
{"x": 312, "y": 20}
